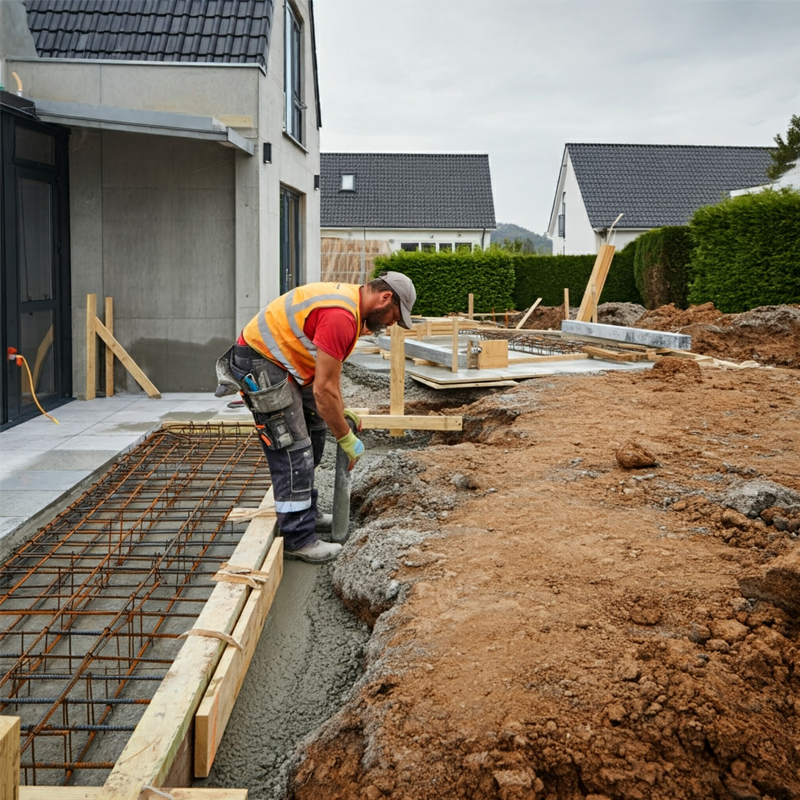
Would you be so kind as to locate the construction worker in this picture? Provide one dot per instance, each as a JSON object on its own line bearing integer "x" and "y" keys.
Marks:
{"x": 287, "y": 363}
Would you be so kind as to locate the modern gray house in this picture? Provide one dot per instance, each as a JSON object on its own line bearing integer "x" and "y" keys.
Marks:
{"x": 164, "y": 154}
{"x": 651, "y": 185}
{"x": 405, "y": 201}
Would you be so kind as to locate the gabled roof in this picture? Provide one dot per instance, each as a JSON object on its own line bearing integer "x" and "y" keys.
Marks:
{"x": 656, "y": 185}
{"x": 407, "y": 190}
{"x": 215, "y": 31}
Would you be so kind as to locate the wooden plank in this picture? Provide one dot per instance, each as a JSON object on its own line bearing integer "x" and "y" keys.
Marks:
{"x": 566, "y": 303}
{"x": 153, "y": 745}
{"x": 597, "y": 280}
{"x": 611, "y": 355}
{"x": 109, "y": 323}
{"x": 543, "y": 359}
{"x": 410, "y": 423}
{"x": 471, "y": 306}
{"x": 466, "y": 385}
{"x": 397, "y": 373}
{"x": 530, "y": 311}
{"x": 9, "y": 758}
{"x": 493, "y": 354}
{"x": 91, "y": 347}
{"x": 215, "y": 709}
{"x": 93, "y": 792}
{"x": 127, "y": 362}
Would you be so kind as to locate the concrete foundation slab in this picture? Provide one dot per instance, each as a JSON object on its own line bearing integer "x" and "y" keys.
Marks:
{"x": 619, "y": 333}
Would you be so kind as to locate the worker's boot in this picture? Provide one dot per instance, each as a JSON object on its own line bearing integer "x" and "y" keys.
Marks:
{"x": 316, "y": 553}
{"x": 324, "y": 522}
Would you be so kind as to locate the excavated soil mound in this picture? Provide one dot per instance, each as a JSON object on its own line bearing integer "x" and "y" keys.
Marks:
{"x": 551, "y": 626}
{"x": 768, "y": 335}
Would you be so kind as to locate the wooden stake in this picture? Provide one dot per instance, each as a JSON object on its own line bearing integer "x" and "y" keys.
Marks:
{"x": 471, "y": 306}
{"x": 397, "y": 373}
{"x": 122, "y": 354}
{"x": 597, "y": 280}
{"x": 530, "y": 311}
{"x": 109, "y": 352}
{"x": 454, "y": 360}
{"x": 9, "y": 758}
{"x": 91, "y": 347}
{"x": 566, "y": 303}
{"x": 594, "y": 303}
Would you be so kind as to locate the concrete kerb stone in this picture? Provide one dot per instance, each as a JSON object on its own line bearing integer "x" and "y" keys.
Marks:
{"x": 618, "y": 333}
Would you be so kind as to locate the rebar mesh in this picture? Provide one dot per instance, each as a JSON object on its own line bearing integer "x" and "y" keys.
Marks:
{"x": 91, "y": 607}
{"x": 533, "y": 343}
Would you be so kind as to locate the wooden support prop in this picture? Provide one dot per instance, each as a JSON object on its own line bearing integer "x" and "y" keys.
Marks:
{"x": 9, "y": 758}
{"x": 471, "y": 306}
{"x": 611, "y": 355}
{"x": 594, "y": 303}
{"x": 215, "y": 709}
{"x": 91, "y": 347}
{"x": 397, "y": 372}
{"x": 93, "y": 792}
{"x": 109, "y": 323}
{"x": 597, "y": 280}
{"x": 454, "y": 359}
{"x": 154, "y": 744}
{"x": 493, "y": 354}
{"x": 410, "y": 423}
{"x": 566, "y": 303}
{"x": 530, "y": 311}
{"x": 127, "y": 362}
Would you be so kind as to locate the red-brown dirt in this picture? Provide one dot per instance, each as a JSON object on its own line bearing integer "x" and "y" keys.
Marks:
{"x": 572, "y": 628}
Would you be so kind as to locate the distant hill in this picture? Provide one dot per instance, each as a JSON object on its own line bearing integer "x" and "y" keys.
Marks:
{"x": 531, "y": 242}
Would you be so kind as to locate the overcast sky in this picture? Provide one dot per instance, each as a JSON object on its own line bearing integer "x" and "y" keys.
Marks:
{"x": 517, "y": 79}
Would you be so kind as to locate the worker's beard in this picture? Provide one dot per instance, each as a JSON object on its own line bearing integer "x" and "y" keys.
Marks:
{"x": 374, "y": 322}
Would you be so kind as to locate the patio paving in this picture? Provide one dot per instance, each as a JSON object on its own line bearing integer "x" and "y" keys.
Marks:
{"x": 44, "y": 465}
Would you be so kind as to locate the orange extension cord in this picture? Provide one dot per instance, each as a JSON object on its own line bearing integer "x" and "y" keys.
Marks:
{"x": 19, "y": 360}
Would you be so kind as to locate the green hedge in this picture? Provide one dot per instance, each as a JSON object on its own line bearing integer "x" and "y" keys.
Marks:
{"x": 445, "y": 280}
{"x": 548, "y": 276}
{"x": 747, "y": 251}
{"x": 661, "y": 266}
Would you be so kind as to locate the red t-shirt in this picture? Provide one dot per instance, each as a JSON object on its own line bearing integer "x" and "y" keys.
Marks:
{"x": 332, "y": 330}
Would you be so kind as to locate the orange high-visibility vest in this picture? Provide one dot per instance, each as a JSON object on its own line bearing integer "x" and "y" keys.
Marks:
{"x": 277, "y": 332}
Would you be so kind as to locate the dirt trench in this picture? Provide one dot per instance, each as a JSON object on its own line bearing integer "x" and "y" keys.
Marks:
{"x": 549, "y": 624}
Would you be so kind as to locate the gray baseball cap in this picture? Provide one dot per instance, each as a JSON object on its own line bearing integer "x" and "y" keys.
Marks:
{"x": 403, "y": 287}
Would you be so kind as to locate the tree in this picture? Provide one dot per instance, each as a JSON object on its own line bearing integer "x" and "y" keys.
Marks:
{"x": 785, "y": 155}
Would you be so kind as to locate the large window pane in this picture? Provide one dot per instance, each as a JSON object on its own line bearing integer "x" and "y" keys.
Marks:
{"x": 36, "y": 344}
{"x": 35, "y": 240}
{"x": 34, "y": 145}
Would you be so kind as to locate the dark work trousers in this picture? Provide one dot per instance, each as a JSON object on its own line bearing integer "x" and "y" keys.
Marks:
{"x": 291, "y": 468}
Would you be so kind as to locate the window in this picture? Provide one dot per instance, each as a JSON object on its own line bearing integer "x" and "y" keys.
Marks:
{"x": 445, "y": 247}
{"x": 291, "y": 250}
{"x": 409, "y": 247}
{"x": 292, "y": 76}
{"x": 461, "y": 246}
{"x": 428, "y": 247}
{"x": 348, "y": 182}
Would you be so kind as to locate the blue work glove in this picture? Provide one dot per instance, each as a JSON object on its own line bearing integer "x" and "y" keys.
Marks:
{"x": 351, "y": 415}
{"x": 353, "y": 446}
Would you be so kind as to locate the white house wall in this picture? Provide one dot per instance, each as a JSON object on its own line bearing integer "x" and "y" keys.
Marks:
{"x": 397, "y": 236}
{"x": 580, "y": 237}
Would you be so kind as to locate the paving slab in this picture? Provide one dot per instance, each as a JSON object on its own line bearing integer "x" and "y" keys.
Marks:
{"x": 620, "y": 333}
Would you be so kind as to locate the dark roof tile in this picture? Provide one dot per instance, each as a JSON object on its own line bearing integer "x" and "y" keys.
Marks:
{"x": 658, "y": 185}
{"x": 407, "y": 190}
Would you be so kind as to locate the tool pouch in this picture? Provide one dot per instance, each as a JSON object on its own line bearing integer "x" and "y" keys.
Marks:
{"x": 268, "y": 399}
{"x": 274, "y": 430}
{"x": 227, "y": 382}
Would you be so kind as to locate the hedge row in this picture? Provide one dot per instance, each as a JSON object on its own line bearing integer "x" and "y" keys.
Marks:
{"x": 445, "y": 280}
{"x": 747, "y": 251}
{"x": 548, "y": 276}
{"x": 661, "y": 266}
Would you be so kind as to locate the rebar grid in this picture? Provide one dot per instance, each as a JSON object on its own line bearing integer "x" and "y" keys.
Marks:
{"x": 92, "y": 606}
{"x": 533, "y": 343}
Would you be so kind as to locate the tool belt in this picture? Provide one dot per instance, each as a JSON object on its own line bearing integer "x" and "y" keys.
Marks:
{"x": 261, "y": 394}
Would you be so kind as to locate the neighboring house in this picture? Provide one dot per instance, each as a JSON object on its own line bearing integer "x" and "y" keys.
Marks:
{"x": 789, "y": 180}
{"x": 651, "y": 185}
{"x": 405, "y": 201}
{"x": 165, "y": 154}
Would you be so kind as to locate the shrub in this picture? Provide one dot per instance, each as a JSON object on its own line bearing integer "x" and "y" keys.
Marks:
{"x": 548, "y": 276}
{"x": 445, "y": 280}
{"x": 661, "y": 266}
{"x": 747, "y": 251}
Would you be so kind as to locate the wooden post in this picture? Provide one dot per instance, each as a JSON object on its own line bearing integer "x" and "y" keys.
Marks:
{"x": 109, "y": 352}
{"x": 471, "y": 306}
{"x": 594, "y": 303}
{"x": 454, "y": 361}
{"x": 397, "y": 373}
{"x": 566, "y": 303}
{"x": 9, "y": 758}
{"x": 91, "y": 346}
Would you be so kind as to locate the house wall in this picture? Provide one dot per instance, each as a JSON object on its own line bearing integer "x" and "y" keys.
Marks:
{"x": 396, "y": 236}
{"x": 182, "y": 233}
{"x": 580, "y": 237}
